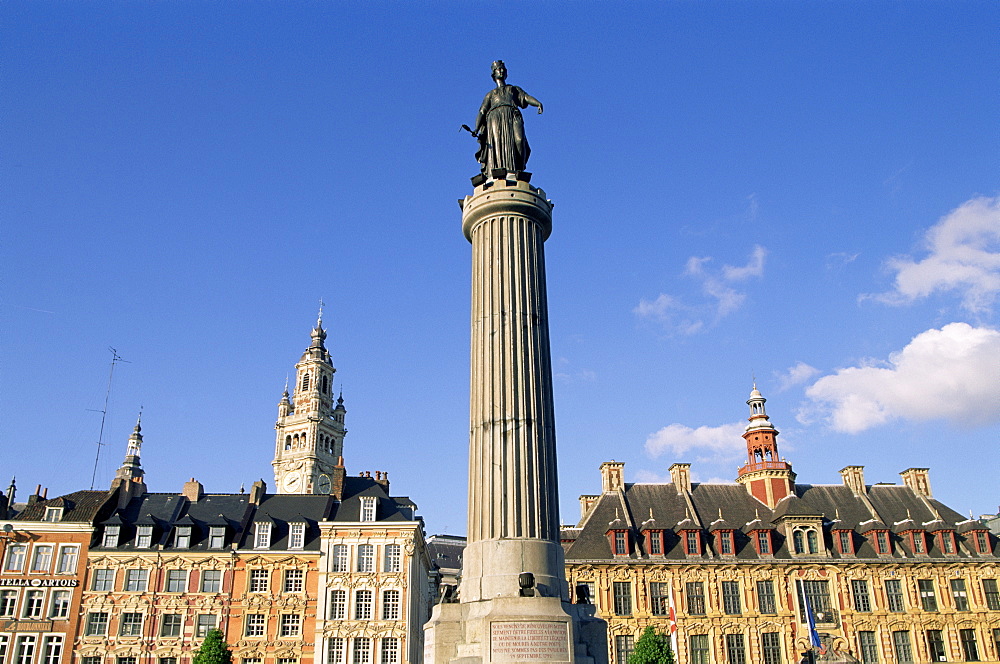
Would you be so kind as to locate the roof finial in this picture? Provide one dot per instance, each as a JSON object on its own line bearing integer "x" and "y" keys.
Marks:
{"x": 138, "y": 420}
{"x": 319, "y": 318}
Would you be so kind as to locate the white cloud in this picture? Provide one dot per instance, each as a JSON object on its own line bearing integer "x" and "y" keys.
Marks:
{"x": 721, "y": 300}
{"x": 963, "y": 256}
{"x": 717, "y": 444}
{"x": 796, "y": 375}
{"x": 952, "y": 373}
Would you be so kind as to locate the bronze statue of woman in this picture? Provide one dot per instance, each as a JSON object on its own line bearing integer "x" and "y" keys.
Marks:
{"x": 500, "y": 127}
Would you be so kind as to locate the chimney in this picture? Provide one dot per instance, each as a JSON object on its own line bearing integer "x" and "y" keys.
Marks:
{"x": 257, "y": 491}
{"x": 193, "y": 490}
{"x": 854, "y": 479}
{"x": 611, "y": 476}
{"x": 339, "y": 473}
{"x": 919, "y": 481}
{"x": 680, "y": 475}
{"x": 382, "y": 478}
{"x": 36, "y": 496}
{"x": 586, "y": 502}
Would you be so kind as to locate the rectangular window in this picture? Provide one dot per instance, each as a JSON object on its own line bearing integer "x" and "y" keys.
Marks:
{"x": 338, "y": 558}
{"x": 205, "y": 624}
{"x": 770, "y": 647}
{"x": 52, "y": 650}
{"x": 296, "y": 535}
{"x": 130, "y": 624}
{"x": 182, "y": 537}
{"x": 336, "y": 650}
{"x": 935, "y": 646}
{"x": 135, "y": 580}
{"x": 170, "y": 624}
{"x": 366, "y": 558}
{"x": 144, "y": 537}
{"x": 288, "y": 660}
{"x": 338, "y": 605}
{"x": 24, "y": 651}
{"x": 699, "y": 648}
{"x": 901, "y": 646}
{"x": 726, "y": 543}
{"x": 624, "y": 645}
{"x": 4, "y": 644}
{"x": 252, "y": 660}
{"x": 294, "y": 581}
{"x": 894, "y": 595}
{"x": 622, "y": 591}
{"x": 42, "y": 560}
{"x": 16, "y": 554}
{"x": 390, "y": 604}
{"x": 389, "y": 650}
{"x": 656, "y": 543}
{"x": 763, "y": 542}
{"x": 8, "y": 603}
{"x": 393, "y": 559}
{"x": 368, "y": 508}
{"x": 68, "y": 555}
{"x": 765, "y": 597}
{"x": 53, "y": 514}
{"x": 60, "y": 604}
{"x": 91, "y": 660}
{"x": 694, "y": 591}
{"x": 958, "y": 595}
{"x": 34, "y": 601}
{"x": 262, "y": 535}
{"x": 845, "y": 541}
{"x": 947, "y": 541}
{"x": 176, "y": 580}
{"x": 621, "y": 543}
{"x": 361, "y": 650}
{"x": 110, "y": 538}
{"x": 211, "y": 581}
{"x": 818, "y": 594}
{"x": 996, "y": 639}
{"x": 882, "y": 542}
{"x": 258, "y": 581}
{"x": 731, "y": 603}
{"x": 736, "y": 652}
{"x": 659, "y": 598}
{"x": 982, "y": 542}
{"x": 859, "y": 590}
{"x": 256, "y": 625}
{"x": 171, "y": 660}
{"x": 969, "y": 646}
{"x": 104, "y": 580}
{"x": 216, "y": 537}
{"x": 992, "y": 593}
{"x": 363, "y": 600}
{"x": 586, "y": 592}
{"x": 919, "y": 545}
{"x": 127, "y": 660}
{"x": 97, "y": 624}
{"x": 692, "y": 543}
{"x": 927, "y": 598}
{"x": 868, "y": 647}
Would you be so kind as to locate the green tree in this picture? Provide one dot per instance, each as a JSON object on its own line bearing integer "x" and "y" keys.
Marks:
{"x": 214, "y": 650}
{"x": 652, "y": 648}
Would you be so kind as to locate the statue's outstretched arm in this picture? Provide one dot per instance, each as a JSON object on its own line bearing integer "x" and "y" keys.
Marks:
{"x": 531, "y": 101}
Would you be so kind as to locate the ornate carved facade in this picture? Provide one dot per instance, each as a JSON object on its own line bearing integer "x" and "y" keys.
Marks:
{"x": 890, "y": 574}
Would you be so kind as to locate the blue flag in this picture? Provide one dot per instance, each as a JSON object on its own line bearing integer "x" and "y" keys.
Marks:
{"x": 810, "y": 619}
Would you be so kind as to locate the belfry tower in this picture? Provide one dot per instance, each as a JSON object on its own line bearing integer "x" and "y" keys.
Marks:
{"x": 767, "y": 477}
{"x": 310, "y": 426}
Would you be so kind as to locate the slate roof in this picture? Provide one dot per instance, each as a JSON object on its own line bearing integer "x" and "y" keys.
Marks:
{"x": 445, "y": 551}
{"x": 836, "y": 505}
{"x": 78, "y": 507}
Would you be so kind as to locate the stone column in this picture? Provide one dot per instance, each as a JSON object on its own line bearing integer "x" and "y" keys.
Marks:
{"x": 513, "y": 496}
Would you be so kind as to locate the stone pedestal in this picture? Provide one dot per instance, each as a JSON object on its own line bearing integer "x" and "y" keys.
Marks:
{"x": 513, "y": 600}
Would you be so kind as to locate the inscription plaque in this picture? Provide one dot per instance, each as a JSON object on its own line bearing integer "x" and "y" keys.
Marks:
{"x": 529, "y": 641}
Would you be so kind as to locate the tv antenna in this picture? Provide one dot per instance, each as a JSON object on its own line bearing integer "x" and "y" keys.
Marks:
{"x": 115, "y": 359}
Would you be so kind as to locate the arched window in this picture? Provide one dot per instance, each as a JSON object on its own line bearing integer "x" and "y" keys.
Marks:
{"x": 305, "y": 381}
{"x": 813, "y": 541}
{"x": 288, "y": 442}
{"x": 326, "y": 384}
{"x": 798, "y": 542}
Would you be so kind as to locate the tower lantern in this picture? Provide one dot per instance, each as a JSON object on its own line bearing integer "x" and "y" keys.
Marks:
{"x": 766, "y": 476}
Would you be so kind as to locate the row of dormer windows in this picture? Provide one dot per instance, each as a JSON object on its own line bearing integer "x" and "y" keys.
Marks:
{"x": 218, "y": 536}
{"x": 806, "y": 540}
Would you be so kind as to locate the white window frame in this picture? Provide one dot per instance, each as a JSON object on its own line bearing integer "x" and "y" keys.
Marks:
{"x": 182, "y": 537}
{"x": 338, "y": 604}
{"x": 255, "y": 625}
{"x": 33, "y": 604}
{"x": 41, "y": 558}
{"x": 53, "y": 514}
{"x": 216, "y": 537}
{"x": 17, "y": 556}
{"x": 368, "y": 508}
{"x": 203, "y": 627}
{"x": 340, "y": 558}
{"x": 392, "y": 601}
{"x": 111, "y": 534}
{"x": 137, "y": 577}
{"x": 294, "y": 581}
{"x": 174, "y": 576}
{"x": 392, "y": 558}
{"x": 69, "y": 558}
{"x": 213, "y": 577}
{"x": 366, "y": 557}
{"x": 290, "y": 625}
{"x": 296, "y": 535}
{"x": 262, "y": 535}
{"x": 144, "y": 537}
{"x": 59, "y": 610}
{"x": 260, "y": 581}
{"x": 364, "y": 604}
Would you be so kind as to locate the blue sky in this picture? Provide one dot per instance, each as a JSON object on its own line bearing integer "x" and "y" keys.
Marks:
{"x": 805, "y": 193}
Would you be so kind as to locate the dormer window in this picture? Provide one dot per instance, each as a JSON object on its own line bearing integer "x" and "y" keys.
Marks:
{"x": 144, "y": 537}
{"x": 654, "y": 542}
{"x": 620, "y": 542}
{"x": 805, "y": 541}
{"x": 296, "y": 535}
{"x": 182, "y": 537}
{"x": 763, "y": 542}
{"x": 982, "y": 541}
{"x": 881, "y": 541}
{"x": 111, "y": 536}
{"x": 262, "y": 535}
{"x": 53, "y": 514}
{"x": 216, "y": 537}
{"x": 368, "y": 508}
{"x": 845, "y": 542}
{"x": 692, "y": 543}
{"x": 917, "y": 542}
{"x": 725, "y": 542}
{"x": 946, "y": 541}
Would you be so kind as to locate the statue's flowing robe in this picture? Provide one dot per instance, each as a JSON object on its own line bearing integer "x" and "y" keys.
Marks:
{"x": 502, "y": 143}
